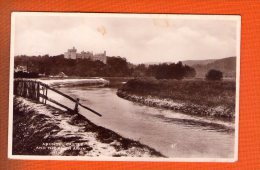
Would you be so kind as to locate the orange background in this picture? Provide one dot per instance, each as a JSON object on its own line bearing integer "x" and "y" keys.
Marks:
{"x": 249, "y": 130}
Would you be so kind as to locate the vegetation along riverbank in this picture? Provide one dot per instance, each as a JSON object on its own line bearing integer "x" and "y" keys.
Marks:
{"x": 214, "y": 99}
{"x": 44, "y": 130}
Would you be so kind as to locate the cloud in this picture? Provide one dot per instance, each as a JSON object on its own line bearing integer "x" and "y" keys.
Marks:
{"x": 137, "y": 39}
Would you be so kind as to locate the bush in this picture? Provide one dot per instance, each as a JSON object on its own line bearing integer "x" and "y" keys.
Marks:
{"x": 214, "y": 75}
{"x": 173, "y": 71}
{"x": 21, "y": 74}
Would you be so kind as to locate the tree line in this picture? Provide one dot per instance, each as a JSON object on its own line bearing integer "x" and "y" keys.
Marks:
{"x": 53, "y": 65}
{"x": 115, "y": 67}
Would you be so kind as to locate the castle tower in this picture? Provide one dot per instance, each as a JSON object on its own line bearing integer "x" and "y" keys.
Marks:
{"x": 71, "y": 53}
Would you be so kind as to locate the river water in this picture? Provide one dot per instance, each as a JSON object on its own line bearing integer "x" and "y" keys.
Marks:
{"x": 175, "y": 135}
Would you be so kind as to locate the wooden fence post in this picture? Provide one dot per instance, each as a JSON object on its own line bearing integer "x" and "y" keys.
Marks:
{"x": 76, "y": 109}
{"x": 46, "y": 89}
{"x": 38, "y": 91}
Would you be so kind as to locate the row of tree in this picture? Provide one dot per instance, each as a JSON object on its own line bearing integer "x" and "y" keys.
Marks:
{"x": 115, "y": 67}
{"x": 165, "y": 71}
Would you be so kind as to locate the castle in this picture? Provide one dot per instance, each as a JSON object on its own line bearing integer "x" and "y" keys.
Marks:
{"x": 72, "y": 54}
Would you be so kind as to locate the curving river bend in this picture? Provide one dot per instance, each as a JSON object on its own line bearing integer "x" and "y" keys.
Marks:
{"x": 174, "y": 134}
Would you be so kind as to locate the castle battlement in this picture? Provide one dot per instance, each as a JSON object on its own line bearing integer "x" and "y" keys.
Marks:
{"x": 72, "y": 54}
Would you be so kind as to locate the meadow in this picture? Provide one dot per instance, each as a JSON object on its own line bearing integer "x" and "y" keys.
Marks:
{"x": 199, "y": 92}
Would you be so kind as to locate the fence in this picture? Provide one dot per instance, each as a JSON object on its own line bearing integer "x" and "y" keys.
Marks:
{"x": 38, "y": 91}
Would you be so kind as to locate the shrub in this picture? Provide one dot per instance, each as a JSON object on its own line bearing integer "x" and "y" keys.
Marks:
{"x": 214, "y": 75}
{"x": 173, "y": 71}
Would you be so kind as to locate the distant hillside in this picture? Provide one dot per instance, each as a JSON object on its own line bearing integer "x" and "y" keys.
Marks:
{"x": 196, "y": 62}
{"x": 226, "y": 65}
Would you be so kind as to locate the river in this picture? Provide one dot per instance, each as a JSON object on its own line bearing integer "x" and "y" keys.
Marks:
{"x": 175, "y": 135}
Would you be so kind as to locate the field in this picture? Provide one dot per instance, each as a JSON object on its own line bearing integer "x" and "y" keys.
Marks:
{"x": 201, "y": 93}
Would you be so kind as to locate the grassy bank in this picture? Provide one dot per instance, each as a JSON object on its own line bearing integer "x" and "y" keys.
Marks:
{"x": 44, "y": 130}
{"x": 198, "y": 97}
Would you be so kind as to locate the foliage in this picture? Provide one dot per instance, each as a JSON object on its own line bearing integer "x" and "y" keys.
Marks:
{"x": 214, "y": 75}
{"x": 21, "y": 74}
{"x": 173, "y": 71}
{"x": 115, "y": 67}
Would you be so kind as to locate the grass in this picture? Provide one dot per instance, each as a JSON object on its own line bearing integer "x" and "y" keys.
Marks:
{"x": 29, "y": 130}
{"x": 200, "y": 92}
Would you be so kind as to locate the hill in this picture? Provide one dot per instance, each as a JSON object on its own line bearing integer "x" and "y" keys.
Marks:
{"x": 226, "y": 65}
{"x": 196, "y": 62}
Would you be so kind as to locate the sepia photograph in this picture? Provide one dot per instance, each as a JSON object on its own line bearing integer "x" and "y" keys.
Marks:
{"x": 124, "y": 87}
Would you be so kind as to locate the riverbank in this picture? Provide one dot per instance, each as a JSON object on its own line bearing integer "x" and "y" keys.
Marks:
{"x": 44, "y": 130}
{"x": 214, "y": 99}
{"x": 75, "y": 82}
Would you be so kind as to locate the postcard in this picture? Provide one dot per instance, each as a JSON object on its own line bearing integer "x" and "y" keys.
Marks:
{"x": 124, "y": 87}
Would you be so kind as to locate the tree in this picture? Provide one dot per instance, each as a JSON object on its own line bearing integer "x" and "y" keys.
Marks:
{"x": 172, "y": 71}
{"x": 117, "y": 66}
{"x": 214, "y": 75}
{"x": 190, "y": 72}
{"x": 139, "y": 70}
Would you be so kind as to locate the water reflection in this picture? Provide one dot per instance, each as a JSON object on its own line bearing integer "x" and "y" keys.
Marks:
{"x": 210, "y": 126}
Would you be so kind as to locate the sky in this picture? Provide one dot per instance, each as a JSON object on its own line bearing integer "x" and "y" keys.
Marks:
{"x": 157, "y": 38}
